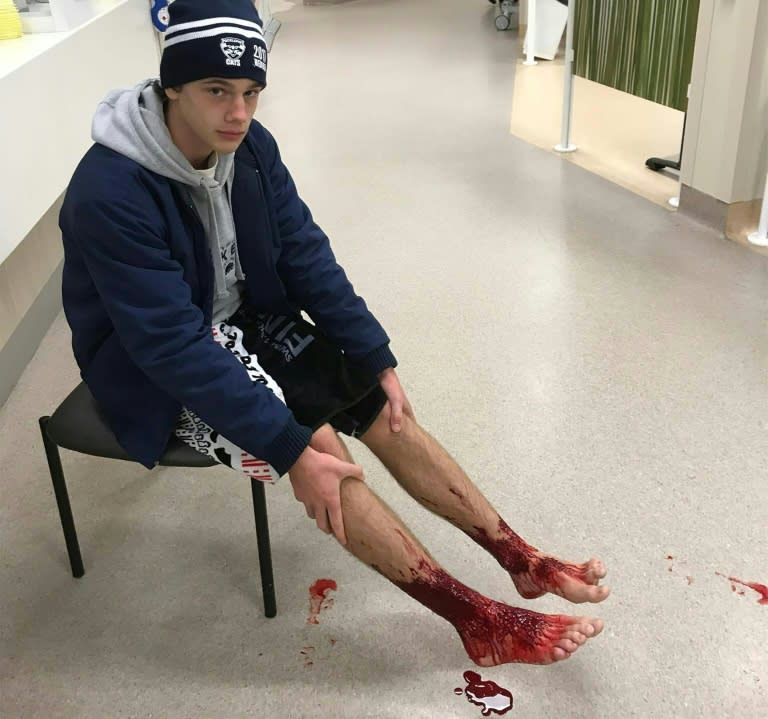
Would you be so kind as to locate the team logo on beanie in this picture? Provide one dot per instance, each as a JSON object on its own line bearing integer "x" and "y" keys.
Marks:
{"x": 233, "y": 48}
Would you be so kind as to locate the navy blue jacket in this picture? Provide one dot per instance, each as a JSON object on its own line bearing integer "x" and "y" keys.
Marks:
{"x": 138, "y": 295}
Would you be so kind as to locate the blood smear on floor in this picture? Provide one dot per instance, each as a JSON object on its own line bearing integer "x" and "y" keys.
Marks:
{"x": 319, "y": 599}
{"x": 761, "y": 589}
{"x": 486, "y": 694}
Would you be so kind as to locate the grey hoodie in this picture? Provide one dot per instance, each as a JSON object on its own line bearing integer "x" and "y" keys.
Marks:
{"x": 132, "y": 123}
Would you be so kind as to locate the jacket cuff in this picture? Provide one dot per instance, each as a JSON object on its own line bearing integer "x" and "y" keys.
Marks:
{"x": 285, "y": 449}
{"x": 377, "y": 361}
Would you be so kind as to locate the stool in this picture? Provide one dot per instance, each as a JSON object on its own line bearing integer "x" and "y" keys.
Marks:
{"x": 78, "y": 425}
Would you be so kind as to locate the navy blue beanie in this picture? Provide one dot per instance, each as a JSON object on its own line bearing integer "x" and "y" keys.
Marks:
{"x": 213, "y": 38}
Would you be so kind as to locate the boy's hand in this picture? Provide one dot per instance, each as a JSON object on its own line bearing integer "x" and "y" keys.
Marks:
{"x": 316, "y": 478}
{"x": 398, "y": 402}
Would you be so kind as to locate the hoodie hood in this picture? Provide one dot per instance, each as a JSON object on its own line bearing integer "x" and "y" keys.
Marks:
{"x": 132, "y": 122}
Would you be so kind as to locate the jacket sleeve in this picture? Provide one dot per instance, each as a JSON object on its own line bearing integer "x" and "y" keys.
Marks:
{"x": 313, "y": 278}
{"x": 164, "y": 332}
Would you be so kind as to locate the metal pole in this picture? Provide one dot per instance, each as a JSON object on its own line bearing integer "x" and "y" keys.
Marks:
{"x": 760, "y": 238}
{"x": 565, "y": 134}
{"x": 62, "y": 500}
{"x": 265, "y": 552}
{"x": 530, "y": 34}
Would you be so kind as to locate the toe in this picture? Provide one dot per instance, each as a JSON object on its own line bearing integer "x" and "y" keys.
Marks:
{"x": 585, "y": 625}
{"x": 596, "y": 569}
{"x": 575, "y": 636}
{"x": 597, "y": 594}
{"x": 576, "y": 591}
{"x": 559, "y": 654}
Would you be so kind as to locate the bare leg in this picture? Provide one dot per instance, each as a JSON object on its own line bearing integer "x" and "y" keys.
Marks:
{"x": 432, "y": 477}
{"x": 492, "y": 633}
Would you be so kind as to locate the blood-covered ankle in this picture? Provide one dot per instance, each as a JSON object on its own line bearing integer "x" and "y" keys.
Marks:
{"x": 447, "y": 597}
{"x": 508, "y": 548}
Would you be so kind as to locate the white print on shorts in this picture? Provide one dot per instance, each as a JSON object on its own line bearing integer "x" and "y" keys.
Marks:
{"x": 232, "y": 338}
{"x": 274, "y": 330}
{"x": 194, "y": 432}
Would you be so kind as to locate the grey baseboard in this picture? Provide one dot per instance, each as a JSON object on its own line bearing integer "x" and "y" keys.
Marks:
{"x": 703, "y": 208}
{"x": 26, "y": 338}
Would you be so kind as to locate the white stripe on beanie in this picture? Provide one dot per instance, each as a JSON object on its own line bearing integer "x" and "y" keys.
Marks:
{"x": 229, "y": 29}
{"x": 181, "y": 27}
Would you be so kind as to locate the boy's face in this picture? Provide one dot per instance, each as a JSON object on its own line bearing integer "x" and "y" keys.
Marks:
{"x": 211, "y": 115}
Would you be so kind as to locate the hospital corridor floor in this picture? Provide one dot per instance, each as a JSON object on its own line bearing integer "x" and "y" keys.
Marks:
{"x": 596, "y": 362}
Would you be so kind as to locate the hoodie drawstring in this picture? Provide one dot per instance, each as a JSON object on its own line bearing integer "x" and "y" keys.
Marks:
{"x": 215, "y": 220}
{"x": 219, "y": 271}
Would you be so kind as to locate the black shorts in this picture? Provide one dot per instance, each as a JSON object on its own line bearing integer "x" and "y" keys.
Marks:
{"x": 319, "y": 383}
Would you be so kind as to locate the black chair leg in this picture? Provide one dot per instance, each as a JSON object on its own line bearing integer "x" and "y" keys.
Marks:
{"x": 62, "y": 499}
{"x": 265, "y": 554}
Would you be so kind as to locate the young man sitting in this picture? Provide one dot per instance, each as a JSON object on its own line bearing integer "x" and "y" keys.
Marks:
{"x": 189, "y": 261}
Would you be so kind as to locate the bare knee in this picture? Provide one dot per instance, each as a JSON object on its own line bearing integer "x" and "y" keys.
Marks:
{"x": 380, "y": 430}
{"x": 325, "y": 440}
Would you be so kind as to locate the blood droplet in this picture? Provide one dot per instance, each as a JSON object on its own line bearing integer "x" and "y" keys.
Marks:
{"x": 319, "y": 599}
{"x": 486, "y": 694}
{"x": 761, "y": 589}
{"x": 458, "y": 690}
{"x": 669, "y": 556}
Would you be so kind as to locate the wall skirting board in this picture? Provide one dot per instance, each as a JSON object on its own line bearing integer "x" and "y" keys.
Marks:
{"x": 26, "y": 338}
{"x": 703, "y": 208}
{"x": 743, "y": 219}
{"x": 735, "y": 220}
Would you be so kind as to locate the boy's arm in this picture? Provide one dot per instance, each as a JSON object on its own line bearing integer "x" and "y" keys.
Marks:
{"x": 164, "y": 333}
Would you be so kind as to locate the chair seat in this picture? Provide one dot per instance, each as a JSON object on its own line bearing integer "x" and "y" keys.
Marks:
{"x": 78, "y": 425}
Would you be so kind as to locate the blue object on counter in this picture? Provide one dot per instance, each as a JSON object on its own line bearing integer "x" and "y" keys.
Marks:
{"x": 160, "y": 15}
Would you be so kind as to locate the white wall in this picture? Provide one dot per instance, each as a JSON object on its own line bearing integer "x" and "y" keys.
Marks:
{"x": 50, "y": 84}
{"x": 49, "y": 100}
{"x": 752, "y": 158}
{"x": 725, "y": 143}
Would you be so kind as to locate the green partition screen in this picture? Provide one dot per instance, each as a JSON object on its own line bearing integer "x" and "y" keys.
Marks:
{"x": 644, "y": 47}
